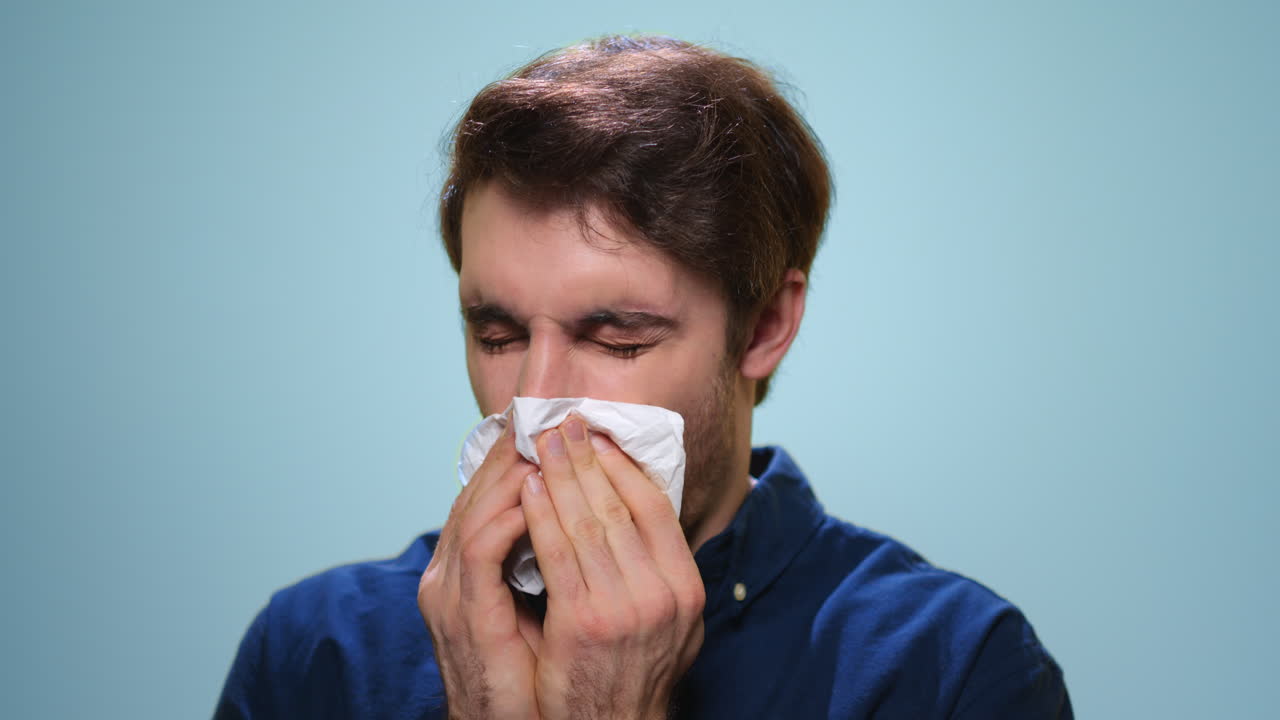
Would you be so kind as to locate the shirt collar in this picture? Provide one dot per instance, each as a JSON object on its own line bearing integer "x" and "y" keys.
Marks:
{"x": 773, "y": 524}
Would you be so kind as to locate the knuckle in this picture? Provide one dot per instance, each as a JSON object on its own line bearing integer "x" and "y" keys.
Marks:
{"x": 560, "y": 554}
{"x": 660, "y": 609}
{"x": 435, "y": 612}
{"x": 584, "y": 461}
{"x": 616, "y": 512}
{"x": 429, "y": 578}
{"x": 595, "y": 628}
{"x": 693, "y": 597}
{"x": 588, "y": 530}
{"x": 655, "y": 502}
{"x": 432, "y": 583}
{"x": 437, "y": 559}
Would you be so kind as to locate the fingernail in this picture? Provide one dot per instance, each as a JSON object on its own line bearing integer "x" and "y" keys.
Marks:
{"x": 555, "y": 444}
{"x": 533, "y": 481}
{"x": 576, "y": 430}
{"x": 601, "y": 443}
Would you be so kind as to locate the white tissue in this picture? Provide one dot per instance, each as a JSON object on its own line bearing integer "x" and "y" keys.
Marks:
{"x": 653, "y": 437}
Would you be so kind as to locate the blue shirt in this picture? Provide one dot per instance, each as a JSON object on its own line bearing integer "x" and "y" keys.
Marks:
{"x": 806, "y": 617}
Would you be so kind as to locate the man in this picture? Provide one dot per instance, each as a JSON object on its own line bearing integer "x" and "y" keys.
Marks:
{"x": 634, "y": 220}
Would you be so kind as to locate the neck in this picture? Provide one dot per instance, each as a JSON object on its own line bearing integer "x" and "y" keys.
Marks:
{"x": 722, "y": 514}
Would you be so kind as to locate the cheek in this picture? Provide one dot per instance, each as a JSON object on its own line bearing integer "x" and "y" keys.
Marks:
{"x": 493, "y": 381}
{"x": 681, "y": 383}
{"x": 620, "y": 383}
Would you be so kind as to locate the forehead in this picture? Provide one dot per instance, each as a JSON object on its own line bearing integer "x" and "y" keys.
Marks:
{"x": 534, "y": 260}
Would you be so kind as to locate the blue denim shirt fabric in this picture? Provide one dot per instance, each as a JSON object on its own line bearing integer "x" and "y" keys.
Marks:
{"x": 831, "y": 621}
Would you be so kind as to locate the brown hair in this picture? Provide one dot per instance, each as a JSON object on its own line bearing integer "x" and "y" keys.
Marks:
{"x": 697, "y": 151}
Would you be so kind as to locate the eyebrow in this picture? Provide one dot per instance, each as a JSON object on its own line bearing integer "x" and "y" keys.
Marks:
{"x": 486, "y": 313}
{"x": 627, "y": 320}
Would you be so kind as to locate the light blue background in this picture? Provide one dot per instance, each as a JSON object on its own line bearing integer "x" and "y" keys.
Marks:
{"x": 1041, "y": 346}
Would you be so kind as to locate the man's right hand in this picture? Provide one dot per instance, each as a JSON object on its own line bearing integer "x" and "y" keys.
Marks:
{"x": 482, "y": 637}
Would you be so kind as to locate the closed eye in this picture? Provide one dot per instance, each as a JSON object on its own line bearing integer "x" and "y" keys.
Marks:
{"x": 494, "y": 346}
{"x": 626, "y": 352}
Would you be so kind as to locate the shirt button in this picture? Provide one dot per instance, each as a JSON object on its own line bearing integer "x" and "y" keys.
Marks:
{"x": 739, "y": 592}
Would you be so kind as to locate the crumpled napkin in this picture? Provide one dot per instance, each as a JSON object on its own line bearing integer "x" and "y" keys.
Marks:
{"x": 651, "y": 436}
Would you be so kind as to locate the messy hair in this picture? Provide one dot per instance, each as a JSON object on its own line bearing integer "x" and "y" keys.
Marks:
{"x": 695, "y": 151}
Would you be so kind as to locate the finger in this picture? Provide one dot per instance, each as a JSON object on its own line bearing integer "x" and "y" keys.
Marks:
{"x": 585, "y": 530}
{"x": 663, "y": 590}
{"x": 481, "y": 557}
{"x": 557, "y": 560}
{"x": 483, "y": 600}
{"x": 493, "y": 499}
{"x": 651, "y": 512}
{"x": 499, "y": 458}
{"x": 623, "y": 538}
{"x": 446, "y": 542}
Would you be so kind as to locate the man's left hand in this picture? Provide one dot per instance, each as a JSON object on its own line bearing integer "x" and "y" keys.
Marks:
{"x": 624, "y": 596}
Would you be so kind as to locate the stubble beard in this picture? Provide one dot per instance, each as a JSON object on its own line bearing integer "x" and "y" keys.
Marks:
{"x": 709, "y": 434}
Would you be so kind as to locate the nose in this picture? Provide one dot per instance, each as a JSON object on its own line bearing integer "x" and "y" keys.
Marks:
{"x": 545, "y": 371}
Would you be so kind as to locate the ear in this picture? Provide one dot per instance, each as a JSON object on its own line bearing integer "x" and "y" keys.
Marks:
{"x": 775, "y": 328}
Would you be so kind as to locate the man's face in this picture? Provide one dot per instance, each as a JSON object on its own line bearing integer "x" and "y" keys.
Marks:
{"x": 549, "y": 314}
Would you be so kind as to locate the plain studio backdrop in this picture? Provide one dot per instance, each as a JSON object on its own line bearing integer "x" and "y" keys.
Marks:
{"x": 1041, "y": 347}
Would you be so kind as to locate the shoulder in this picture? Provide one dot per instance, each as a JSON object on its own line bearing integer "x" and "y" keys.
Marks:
{"x": 881, "y": 568}
{"x": 327, "y": 644}
{"x": 363, "y": 577}
{"x": 877, "y": 575}
{"x": 849, "y": 568}
{"x": 338, "y": 596}
{"x": 980, "y": 650}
